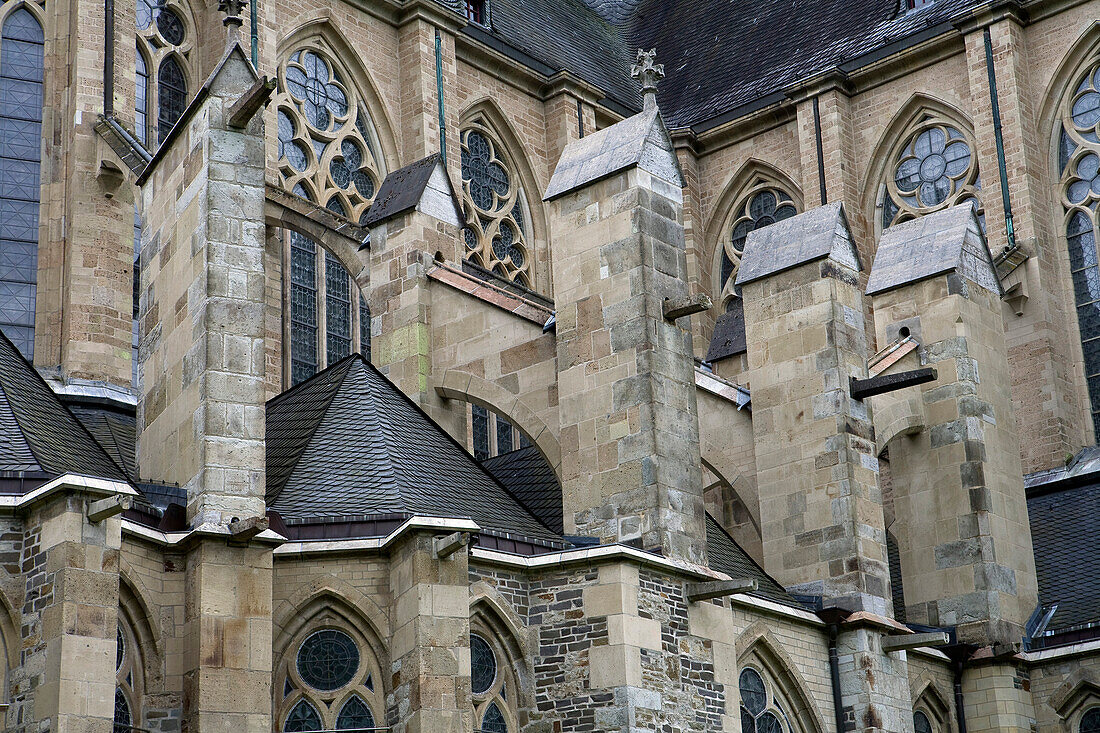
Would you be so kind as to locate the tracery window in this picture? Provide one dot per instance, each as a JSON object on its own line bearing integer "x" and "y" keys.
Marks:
{"x": 1078, "y": 157}
{"x": 760, "y": 711}
{"x": 21, "y": 64}
{"x": 933, "y": 169}
{"x": 922, "y": 723}
{"x": 491, "y": 435}
{"x": 492, "y": 686}
{"x": 1090, "y": 721}
{"x": 327, "y": 315}
{"x": 763, "y": 204}
{"x": 166, "y": 38}
{"x": 330, "y": 681}
{"x": 492, "y": 200}
{"x": 127, "y": 682}
{"x": 327, "y": 143}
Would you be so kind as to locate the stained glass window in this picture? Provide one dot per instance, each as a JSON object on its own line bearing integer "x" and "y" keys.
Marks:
{"x": 495, "y": 233}
{"x": 1090, "y": 721}
{"x": 21, "y": 49}
{"x": 483, "y": 665}
{"x": 328, "y": 660}
{"x": 493, "y": 720}
{"x": 364, "y": 327}
{"x": 504, "y": 436}
{"x": 759, "y": 712}
{"x": 337, "y": 310}
{"x": 171, "y": 96}
{"x": 302, "y": 717}
{"x": 921, "y": 723}
{"x": 303, "y": 308}
{"x": 325, "y": 134}
{"x": 120, "y": 650}
{"x": 1079, "y": 152}
{"x": 127, "y": 681}
{"x": 354, "y": 715}
{"x": 763, "y": 205}
{"x": 481, "y": 432}
{"x": 170, "y": 26}
{"x": 141, "y": 99}
{"x": 934, "y": 168}
{"x": 123, "y": 719}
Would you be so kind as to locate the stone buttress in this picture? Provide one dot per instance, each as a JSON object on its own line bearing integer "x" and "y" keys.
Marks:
{"x": 629, "y": 425}
{"x": 201, "y": 417}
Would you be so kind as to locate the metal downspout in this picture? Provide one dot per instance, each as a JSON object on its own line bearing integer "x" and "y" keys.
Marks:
{"x": 960, "y": 713}
{"x": 439, "y": 95}
{"x": 820, "y": 154}
{"x": 109, "y": 58}
{"x": 253, "y": 25}
{"x": 1001, "y": 167}
{"x": 834, "y": 677}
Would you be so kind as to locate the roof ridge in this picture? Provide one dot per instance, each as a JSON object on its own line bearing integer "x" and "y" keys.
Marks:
{"x": 6, "y": 343}
{"x": 382, "y": 428}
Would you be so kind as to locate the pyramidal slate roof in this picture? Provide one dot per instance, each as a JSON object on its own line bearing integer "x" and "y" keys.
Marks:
{"x": 725, "y": 555}
{"x": 531, "y": 480}
{"x": 37, "y": 432}
{"x": 347, "y": 443}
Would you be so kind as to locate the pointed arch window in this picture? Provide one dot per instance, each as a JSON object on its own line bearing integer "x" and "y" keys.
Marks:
{"x": 1090, "y": 721}
{"x": 165, "y": 44}
{"x": 493, "y": 686}
{"x": 1078, "y": 155}
{"x": 327, "y": 144}
{"x": 330, "y": 680}
{"x": 21, "y": 64}
{"x": 496, "y": 233}
{"x": 128, "y": 678}
{"x": 934, "y": 167}
{"x": 762, "y": 204}
{"x": 761, "y": 710}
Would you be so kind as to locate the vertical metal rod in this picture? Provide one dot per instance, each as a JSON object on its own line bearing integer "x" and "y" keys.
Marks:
{"x": 439, "y": 95}
{"x": 1001, "y": 166}
{"x": 580, "y": 118}
{"x": 253, "y": 25}
{"x": 820, "y": 155}
{"x": 109, "y": 57}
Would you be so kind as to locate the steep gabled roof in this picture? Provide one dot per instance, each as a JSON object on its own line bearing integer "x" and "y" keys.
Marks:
{"x": 347, "y": 443}
{"x": 37, "y": 432}
{"x": 725, "y": 555}
{"x": 114, "y": 430}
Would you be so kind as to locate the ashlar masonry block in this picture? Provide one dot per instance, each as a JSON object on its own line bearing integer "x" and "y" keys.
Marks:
{"x": 820, "y": 504}
{"x": 961, "y": 514}
{"x": 629, "y": 419}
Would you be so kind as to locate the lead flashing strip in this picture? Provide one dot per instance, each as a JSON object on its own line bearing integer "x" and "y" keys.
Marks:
{"x": 68, "y": 482}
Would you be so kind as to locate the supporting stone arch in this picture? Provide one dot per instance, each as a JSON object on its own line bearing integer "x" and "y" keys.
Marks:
{"x": 321, "y": 25}
{"x": 328, "y": 593}
{"x": 489, "y": 602}
{"x": 756, "y": 644}
{"x": 893, "y": 137}
{"x": 135, "y": 610}
{"x": 466, "y": 387}
{"x": 486, "y": 112}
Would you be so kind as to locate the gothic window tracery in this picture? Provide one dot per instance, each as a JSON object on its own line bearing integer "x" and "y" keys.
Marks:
{"x": 326, "y": 140}
{"x": 492, "y": 685}
{"x": 127, "y": 681}
{"x": 764, "y": 203}
{"x": 21, "y": 66}
{"x": 760, "y": 710}
{"x": 491, "y": 434}
{"x": 934, "y": 168}
{"x": 330, "y": 681}
{"x": 496, "y": 233}
{"x": 1078, "y": 155}
{"x": 1090, "y": 721}
{"x": 165, "y": 43}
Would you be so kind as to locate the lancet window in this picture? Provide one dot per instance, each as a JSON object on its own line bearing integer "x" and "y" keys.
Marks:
{"x": 496, "y": 232}
{"x": 1078, "y": 156}
{"x": 934, "y": 168}
{"x": 761, "y": 712}
{"x": 127, "y": 682}
{"x": 327, "y": 143}
{"x": 21, "y": 64}
{"x": 331, "y": 681}
{"x": 165, "y": 42}
{"x": 493, "y": 687}
{"x": 1090, "y": 721}
{"x": 763, "y": 204}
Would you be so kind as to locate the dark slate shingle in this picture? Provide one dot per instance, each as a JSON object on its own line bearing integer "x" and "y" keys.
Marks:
{"x": 115, "y": 431}
{"x": 532, "y": 480}
{"x": 348, "y": 443}
{"x": 728, "y": 338}
{"x": 33, "y": 419}
{"x": 1065, "y": 526}
{"x": 726, "y": 556}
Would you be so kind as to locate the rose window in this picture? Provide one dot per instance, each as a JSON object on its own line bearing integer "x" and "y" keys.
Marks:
{"x": 495, "y": 233}
{"x": 328, "y": 660}
{"x": 326, "y": 144}
{"x": 761, "y": 207}
{"x": 329, "y": 684}
{"x": 492, "y": 688}
{"x": 760, "y": 713}
{"x": 934, "y": 169}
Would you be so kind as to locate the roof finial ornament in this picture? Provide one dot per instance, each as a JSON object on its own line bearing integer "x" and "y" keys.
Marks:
{"x": 648, "y": 73}
{"x": 232, "y": 10}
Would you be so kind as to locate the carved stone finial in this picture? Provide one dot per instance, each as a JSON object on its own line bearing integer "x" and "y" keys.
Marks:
{"x": 232, "y": 10}
{"x": 648, "y": 73}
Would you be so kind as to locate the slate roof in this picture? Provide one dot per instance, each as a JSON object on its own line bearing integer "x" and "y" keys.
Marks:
{"x": 720, "y": 56}
{"x": 1065, "y": 534}
{"x": 403, "y": 189}
{"x": 728, "y": 338}
{"x": 37, "y": 432}
{"x": 531, "y": 480}
{"x": 114, "y": 430}
{"x": 812, "y": 235}
{"x": 347, "y": 443}
{"x": 726, "y": 556}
